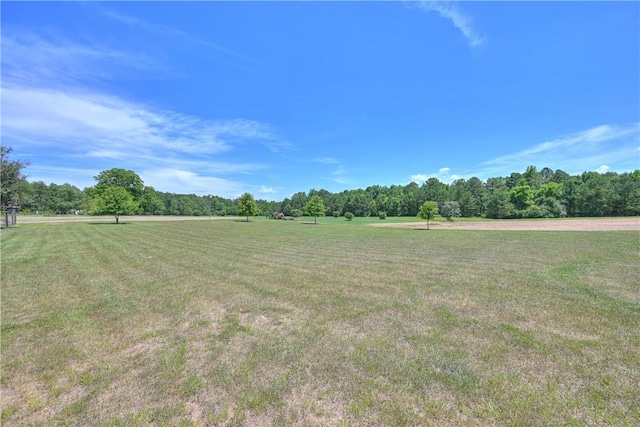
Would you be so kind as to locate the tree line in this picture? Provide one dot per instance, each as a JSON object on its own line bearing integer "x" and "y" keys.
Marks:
{"x": 531, "y": 194}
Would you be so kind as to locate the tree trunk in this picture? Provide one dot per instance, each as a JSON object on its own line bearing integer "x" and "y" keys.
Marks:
{"x": 117, "y": 219}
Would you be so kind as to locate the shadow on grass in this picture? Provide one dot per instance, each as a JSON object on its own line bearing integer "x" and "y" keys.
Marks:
{"x": 109, "y": 223}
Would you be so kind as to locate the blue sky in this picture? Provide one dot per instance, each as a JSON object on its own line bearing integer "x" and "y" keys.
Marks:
{"x": 279, "y": 97}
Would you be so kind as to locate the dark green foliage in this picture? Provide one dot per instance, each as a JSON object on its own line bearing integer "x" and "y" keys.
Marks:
{"x": 348, "y": 216}
{"x": 382, "y": 215}
{"x": 531, "y": 194}
{"x": 11, "y": 177}
{"x": 118, "y": 177}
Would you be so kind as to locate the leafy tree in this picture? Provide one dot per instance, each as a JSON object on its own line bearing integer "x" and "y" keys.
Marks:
{"x": 118, "y": 177}
{"x": 428, "y": 211}
{"x": 522, "y": 195}
{"x": 450, "y": 210}
{"x": 435, "y": 190}
{"x": 348, "y": 216}
{"x": 499, "y": 205}
{"x": 65, "y": 198}
{"x": 150, "y": 202}
{"x": 315, "y": 207}
{"x": 10, "y": 176}
{"x": 114, "y": 201}
{"x": 247, "y": 206}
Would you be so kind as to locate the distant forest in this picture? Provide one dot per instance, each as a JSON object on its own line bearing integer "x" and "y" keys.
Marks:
{"x": 532, "y": 194}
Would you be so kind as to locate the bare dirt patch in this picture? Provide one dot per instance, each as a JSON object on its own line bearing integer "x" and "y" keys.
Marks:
{"x": 572, "y": 224}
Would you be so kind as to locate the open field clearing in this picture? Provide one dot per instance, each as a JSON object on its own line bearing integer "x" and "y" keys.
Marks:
{"x": 566, "y": 224}
{"x": 270, "y": 322}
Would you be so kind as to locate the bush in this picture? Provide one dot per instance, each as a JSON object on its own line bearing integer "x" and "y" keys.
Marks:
{"x": 348, "y": 216}
{"x": 336, "y": 214}
{"x": 382, "y": 215}
{"x": 296, "y": 213}
{"x": 222, "y": 213}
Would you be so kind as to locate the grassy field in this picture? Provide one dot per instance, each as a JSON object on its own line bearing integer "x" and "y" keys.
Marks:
{"x": 287, "y": 323}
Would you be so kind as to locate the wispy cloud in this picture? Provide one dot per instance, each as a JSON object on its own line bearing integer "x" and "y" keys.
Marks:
{"x": 593, "y": 149}
{"x": 340, "y": 174}
{"x": 464, "y": 23}
{"x": 32, "y": 59}
{"x": 50, "y": 103}
{"x": 164, "y": 30}
{"x": 185, "y": 181}
{"x": 100, "y": 126}
{"x": 326, "y": 160}
{"x": 585, "y": 150}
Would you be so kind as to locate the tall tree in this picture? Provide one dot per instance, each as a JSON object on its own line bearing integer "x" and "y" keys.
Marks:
{"x": 150, "y": 202}
{"x": 118, "y": 177}
{"x": 247, "y": 206}
{"x": 428, "y": 211}
{"x": 315, "y": 207}
{"x": 10, "y": 176}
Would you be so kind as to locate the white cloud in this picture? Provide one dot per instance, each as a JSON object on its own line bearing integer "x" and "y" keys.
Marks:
{"x": 188, "y": 182}
{"x": 462, "y": 22}
{"x": 105, "y": 125}
{"x": 326, "y": 160}
{"x": 50, "y": 104}
{"x": 167, "y": 31}
{"x": 574, "y": 153}
{"x": 267, "y": 190}
{"x": 29, "y": 59}
{"x": 603, "y": 169}
{"x": 443, "y": 175}
{"x": 419, "y": 178}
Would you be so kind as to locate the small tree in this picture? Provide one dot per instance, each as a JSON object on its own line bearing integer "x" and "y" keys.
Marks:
{"x": 450, "y": 210}
{"x": 114, "y": 201}
{"x": 348, "y": 216}
{"x": 247, "y": 206}
{"x": 315, "y": 207}
{"x": 428, "y": 211}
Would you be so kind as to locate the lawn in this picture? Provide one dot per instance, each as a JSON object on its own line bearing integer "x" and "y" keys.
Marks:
{"x": 269, "y": 322}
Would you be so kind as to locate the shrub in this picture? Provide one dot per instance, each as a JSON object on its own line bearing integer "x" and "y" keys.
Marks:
{"x": 348, "y": 216}
{"x": 296, "y": 213}
{"x": 336, "y": 214}
{"x": 382, "y": 215}
{"x": 450, "y": 210}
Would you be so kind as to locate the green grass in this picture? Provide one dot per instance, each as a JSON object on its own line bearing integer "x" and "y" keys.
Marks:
{"x": 282, "y": 323}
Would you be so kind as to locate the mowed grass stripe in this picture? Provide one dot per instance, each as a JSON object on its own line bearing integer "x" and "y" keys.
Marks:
{"x": 279, "y": 323}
